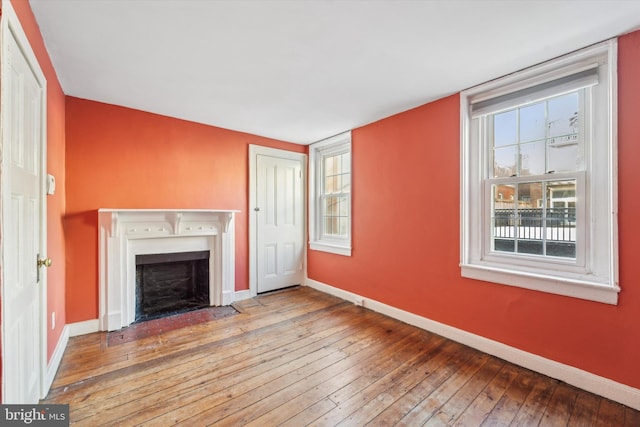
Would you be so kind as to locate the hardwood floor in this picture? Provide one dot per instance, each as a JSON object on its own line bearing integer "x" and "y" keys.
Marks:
{"x": 300, "y": 357}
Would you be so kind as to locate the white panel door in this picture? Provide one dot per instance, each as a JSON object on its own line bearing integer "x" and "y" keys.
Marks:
{"x": 280, "y": 222}
{"x": 21, "y": 208}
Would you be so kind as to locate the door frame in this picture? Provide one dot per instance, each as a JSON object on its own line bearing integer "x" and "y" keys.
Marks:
{"x": 10, "y": 24}
{"x": 254, "y": 152}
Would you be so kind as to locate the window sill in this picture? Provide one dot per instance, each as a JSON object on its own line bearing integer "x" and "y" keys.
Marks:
{"x": 331, "y": 248}
{"x": 576, "y": 288}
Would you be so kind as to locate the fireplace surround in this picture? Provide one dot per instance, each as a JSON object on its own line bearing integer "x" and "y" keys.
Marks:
{"x": 127, "y": 233}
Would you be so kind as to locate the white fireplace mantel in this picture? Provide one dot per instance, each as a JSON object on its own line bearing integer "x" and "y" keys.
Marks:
{"x": 125, "y": 233}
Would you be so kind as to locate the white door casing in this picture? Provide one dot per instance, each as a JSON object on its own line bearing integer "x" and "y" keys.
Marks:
{"x": 277, "y": 217}
{"x": 23, "y": 210}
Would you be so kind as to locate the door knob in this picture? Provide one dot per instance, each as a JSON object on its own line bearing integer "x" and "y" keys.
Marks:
{"x": 46, "y": 262}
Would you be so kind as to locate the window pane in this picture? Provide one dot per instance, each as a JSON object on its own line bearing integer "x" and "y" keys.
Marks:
{"x": 563, "y": 158}
{"x": 561, "y": 218}
{"x": 329, "y": 185}
{"x": 343, "y": 226}
{"x": 530, "y": 223}
{"x": 503, "y": 217}
{"x": 532, "y": 122}
{"x": 333, "y": 207}
{"x": 505, "y": 128}
{"x": 532, "y": 158}
{"x": 344, "y": 207}
{"x": 336, "y": 218}
{"x": 346, "y": 162}
{"x": 563, "y": 115}
{"x": 505, "y": 161}
{"x": 504, "y": 196}
{"x": 337, "y": 175}
{"x": 329, "y": 225}
{"x": 564, "y": 133}
{"x": 329, "y": 165}
{"x": 345, "y": 183}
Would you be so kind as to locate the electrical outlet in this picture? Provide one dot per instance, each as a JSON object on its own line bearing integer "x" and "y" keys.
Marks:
{"x": 53, "y": 320}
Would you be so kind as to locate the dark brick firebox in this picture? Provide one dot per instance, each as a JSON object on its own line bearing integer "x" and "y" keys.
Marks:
{"x": 171, "y": 283}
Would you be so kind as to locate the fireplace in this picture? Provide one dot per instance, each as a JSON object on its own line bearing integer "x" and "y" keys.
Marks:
{"x": 130, "y": 237}
{"x": 171, "y": 283}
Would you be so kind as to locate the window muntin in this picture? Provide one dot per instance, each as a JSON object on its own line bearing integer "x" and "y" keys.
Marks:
{"x": 536, "y": 141}
{"x": 330, "y": 195}
{"x": 538, "y": 138}
{"x": 537, "y": 218}
{"x": 336, "y": 195}
{"x": 538, "y": 177}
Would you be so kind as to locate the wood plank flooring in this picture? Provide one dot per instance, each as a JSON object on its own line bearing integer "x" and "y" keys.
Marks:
{"x": 300, "y": 357}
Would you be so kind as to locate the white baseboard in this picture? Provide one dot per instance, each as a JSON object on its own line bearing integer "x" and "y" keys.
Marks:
{"x": 240, "y": 295}
{"x": 56, "y": 358}
{"x": 605, "y": 387}
{"x": 228, "y": 297}
{"x": 83, "y": 328}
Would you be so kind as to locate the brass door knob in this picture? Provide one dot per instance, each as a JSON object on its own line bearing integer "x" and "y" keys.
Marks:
{"x": 44, "y": 262}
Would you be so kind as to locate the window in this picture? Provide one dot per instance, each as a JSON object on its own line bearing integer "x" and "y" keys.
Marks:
{"x": 538, "y": 177}
{"x": 330, "y": 194}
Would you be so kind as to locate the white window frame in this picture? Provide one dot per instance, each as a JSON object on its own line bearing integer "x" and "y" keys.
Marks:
{"x": 317, "y": 152}
{"x": 594, "y": 274}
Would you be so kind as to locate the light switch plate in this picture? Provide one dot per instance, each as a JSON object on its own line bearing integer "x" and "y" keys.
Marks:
{"x": 51, "y": 184}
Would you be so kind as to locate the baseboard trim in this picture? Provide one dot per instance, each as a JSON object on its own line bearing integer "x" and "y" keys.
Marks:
{"x": 56, "y": 359}
{"x": 241, "y": 295}
{"x": 83, "y": 328}
{"x": 585, "y": 380}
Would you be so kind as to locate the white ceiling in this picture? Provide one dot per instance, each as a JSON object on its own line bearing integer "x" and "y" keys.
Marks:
{"x": 301, "y": 71}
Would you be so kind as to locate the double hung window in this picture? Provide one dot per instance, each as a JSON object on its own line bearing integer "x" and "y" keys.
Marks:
{"x": 537, "y": 167}
{"x": 330, "y": 195}
{"x": 539, "y": 177}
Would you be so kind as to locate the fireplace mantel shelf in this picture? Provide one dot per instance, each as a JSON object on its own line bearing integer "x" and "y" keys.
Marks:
{"x": 166, "y": 221}
{"x": 125, "y": 233}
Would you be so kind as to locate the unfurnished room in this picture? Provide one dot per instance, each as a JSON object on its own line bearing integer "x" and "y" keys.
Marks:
{"x": 319, "y": 212}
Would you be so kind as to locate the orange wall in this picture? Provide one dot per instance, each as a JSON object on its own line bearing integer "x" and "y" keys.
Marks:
{"x": 55, "y": 166}
{"x": 123, "y": 158}
{"x": 406, "y": 241}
